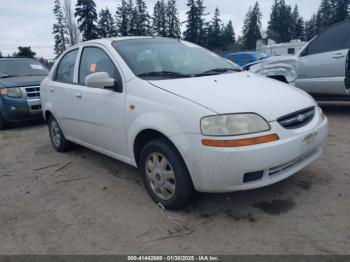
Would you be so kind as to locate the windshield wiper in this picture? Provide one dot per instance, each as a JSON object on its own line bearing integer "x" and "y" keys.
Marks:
{"x": 8, "y": 76}
{"x": 164, "y": 73}
{"x": 216, "y": 71}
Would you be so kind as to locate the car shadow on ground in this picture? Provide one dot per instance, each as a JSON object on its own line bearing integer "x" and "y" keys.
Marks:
{"x": 275, "y": 199}
{"x": 26, "y": 124}
{"x": 335, "y": 108}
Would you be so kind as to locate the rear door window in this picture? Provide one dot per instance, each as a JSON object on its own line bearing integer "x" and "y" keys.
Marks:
{"x": 65, "y": 69}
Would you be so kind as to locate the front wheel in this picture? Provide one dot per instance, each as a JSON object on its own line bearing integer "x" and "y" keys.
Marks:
{"x": 58, "y": 140}
{"x": 165, "y": 174}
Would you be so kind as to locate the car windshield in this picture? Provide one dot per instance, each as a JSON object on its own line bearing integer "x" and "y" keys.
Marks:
{"x": 151, "y": 58}
{"x": 18, "y": 67}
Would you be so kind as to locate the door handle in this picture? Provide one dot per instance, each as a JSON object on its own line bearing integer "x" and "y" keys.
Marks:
{"x": 78, "y": 95}
{"x": 52, "y": 89}
{"x": 339, "y": 55}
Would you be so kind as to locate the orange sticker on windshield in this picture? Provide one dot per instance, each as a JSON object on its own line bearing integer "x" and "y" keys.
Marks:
{"x": 92, "y": 68}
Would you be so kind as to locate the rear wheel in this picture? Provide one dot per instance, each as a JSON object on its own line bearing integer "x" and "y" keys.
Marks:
{"x": 58, "y": 140}
{"x": 165, "y": 174}
{"x": 3, "y": 123}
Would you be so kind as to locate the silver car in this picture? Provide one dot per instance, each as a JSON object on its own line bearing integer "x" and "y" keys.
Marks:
{"x": 321, "y": 68}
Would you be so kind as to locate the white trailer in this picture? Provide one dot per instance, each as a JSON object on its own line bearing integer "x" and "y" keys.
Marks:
{"x": 273, "y": 49}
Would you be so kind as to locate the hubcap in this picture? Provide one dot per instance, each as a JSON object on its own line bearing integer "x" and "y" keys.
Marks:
{"x": 55, "y": 134}
{"x": 161, "y": 176}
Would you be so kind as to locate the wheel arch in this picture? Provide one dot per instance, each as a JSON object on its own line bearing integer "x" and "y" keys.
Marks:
{"x": 280, "y": 78}
{"x": 47, "y": 115}
{"x": 144, "y": 137}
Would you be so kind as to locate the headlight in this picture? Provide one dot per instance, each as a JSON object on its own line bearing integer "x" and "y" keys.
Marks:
{"x": 11, "y": 92}
{"x": 233, "y": 124}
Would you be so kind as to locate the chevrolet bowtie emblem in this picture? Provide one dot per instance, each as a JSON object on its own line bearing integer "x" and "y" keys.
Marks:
{"x": 301, "y": 118}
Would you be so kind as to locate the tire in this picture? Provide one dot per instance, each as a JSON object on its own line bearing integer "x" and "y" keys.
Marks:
{"x": 57, "y": 138}
{"x": 165, "y": 174}
{"x": 3, "y": 123}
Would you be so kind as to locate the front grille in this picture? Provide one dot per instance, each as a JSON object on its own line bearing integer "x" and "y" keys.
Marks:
{"x": 33, "y": 92}
{"x": 297, "y": 119}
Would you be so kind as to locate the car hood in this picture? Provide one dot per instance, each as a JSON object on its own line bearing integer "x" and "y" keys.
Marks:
{"x": 240, "y": 92}
{"x": 21, "y": 81}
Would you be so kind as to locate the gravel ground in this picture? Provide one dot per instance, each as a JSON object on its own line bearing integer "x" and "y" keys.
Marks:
{"x": 86, "y": 203}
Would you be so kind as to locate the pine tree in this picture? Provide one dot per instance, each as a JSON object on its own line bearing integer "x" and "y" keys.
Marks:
{"x": 196, "y": 26}
{"x": 324, "y": 17}
{"x": 310, "y": 28}
{"x": 160, "y": 25}
{"x": 132, "y": 13}
{"x": 106, "y": 24}
{"x": 59, "y": 29}
{"x": 330, "y": 12}
{"x": 191, "y": 32}
{"x": 173, "y": 21}
{"x": 340, "y": 9}
{"x": 273, "y": 24}
{"x": 228, "y": 37}
{"x": 142, "y": 18}
{"x": 122, "y": 18}
{"x": 280, "y": 22}
{"x": 296, "y": 25}
{"x": 214, "y": 32}
{"x": 202, "y": 24}
{"x": 252, "y": 27}
{"x": 87, "y": 16}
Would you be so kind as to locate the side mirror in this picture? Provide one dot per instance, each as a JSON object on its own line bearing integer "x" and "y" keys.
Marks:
{"x": 104, "y": 81}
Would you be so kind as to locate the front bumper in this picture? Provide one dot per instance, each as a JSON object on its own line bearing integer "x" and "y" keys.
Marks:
{"x": 20, "y": 109}
{"x": 223, "y": 169}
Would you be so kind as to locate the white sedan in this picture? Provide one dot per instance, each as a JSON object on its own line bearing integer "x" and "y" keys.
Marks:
{"x": 189, "y": 119}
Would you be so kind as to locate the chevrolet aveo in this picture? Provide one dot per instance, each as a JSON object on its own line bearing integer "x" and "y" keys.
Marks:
{"x": 187, "y": 118}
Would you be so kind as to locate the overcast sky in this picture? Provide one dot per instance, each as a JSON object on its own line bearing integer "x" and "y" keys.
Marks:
{"x": 29, "y": 22}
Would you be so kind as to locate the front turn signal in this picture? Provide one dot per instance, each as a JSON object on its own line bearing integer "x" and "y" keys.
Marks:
{"x": 241, "y": 142}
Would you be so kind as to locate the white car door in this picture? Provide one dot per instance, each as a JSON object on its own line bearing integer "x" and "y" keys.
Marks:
{"x": 99, "y": 113}
{"x": 59, "y": 92}
{"x": 321, "y": 66}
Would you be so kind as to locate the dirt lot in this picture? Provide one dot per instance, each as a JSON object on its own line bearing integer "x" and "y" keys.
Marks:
{"x": 86, "y": 203}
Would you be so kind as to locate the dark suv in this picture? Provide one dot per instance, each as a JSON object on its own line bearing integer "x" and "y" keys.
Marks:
{"x": 20, "y": 80}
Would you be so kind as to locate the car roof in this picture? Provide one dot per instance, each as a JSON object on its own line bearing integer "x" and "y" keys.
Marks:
{"x": 117, "y": 39}
{"x": 16, "y": 59}
{"x": 120, "y": 38}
